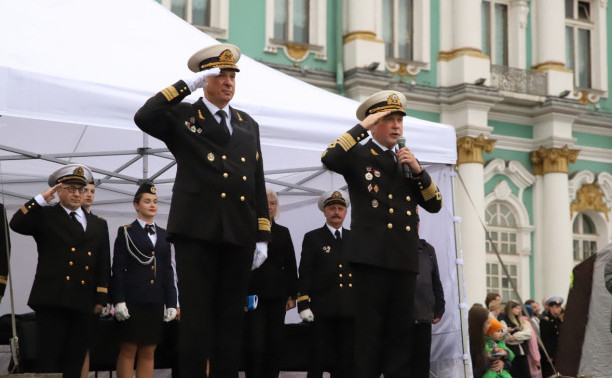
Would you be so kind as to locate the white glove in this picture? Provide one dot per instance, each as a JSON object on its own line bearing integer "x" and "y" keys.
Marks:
{"x": 307, "y": 315}
{"x": 169, "y": 314}
{"x": 198, "y": 80}
{"x": 261, "y": 254}
{"x": 106, "y": 311}
{"x": 121, "y": 311}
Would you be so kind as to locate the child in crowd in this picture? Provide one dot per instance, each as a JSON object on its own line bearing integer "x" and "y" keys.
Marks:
{"x": 495, "y": 348}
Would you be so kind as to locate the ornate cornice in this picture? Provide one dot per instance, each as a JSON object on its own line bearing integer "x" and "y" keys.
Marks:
{"x": 469, "y": 149}
{"x": 549, "y": 160}
{"x": 445, "y": 56}
{"x": 590, "y": 198}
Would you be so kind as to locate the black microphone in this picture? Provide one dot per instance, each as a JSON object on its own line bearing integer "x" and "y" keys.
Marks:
{"x": 401, "y": 143}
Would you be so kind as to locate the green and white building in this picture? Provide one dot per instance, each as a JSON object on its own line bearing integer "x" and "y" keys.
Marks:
{"x": 524, "y": 83}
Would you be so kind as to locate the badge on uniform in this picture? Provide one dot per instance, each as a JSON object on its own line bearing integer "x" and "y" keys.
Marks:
{"x": 376, "y": 173}
{"x": 375, "y": 203}
{"x": 376, "y": 188}
{"x": 199, "y": 130}
{"x": 326, "y": 249}
{"x": 193, "y": 129}
{"x": 192, "y": 120}
{"x": 370, "y": 188}
{"x": 210, "y": 156}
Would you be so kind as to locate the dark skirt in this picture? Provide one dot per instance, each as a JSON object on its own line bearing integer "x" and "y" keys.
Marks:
{"x": 144, "y": 327}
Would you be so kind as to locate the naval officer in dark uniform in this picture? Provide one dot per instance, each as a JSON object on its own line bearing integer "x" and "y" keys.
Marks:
{"x": 142, "y": 286}
{"x": 73, "y": 271}
{"x": 325, "y": 287}
{"x": 5, "y": 250}
{"x": 384, "y": 245}
{"x": 275, "y": 284}
{"x": 219, "y": 211}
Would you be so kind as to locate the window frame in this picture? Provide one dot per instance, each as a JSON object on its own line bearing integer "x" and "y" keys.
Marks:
{"x": 580, "y": 237}
{"x": 317, "y": 33}
{"x": 219, "y": 17}
{"x": 492, "y": 33}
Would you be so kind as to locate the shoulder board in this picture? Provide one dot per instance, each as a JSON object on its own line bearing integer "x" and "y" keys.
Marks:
{"x": 99, "y": 217}
{"x": 126, "y": 225}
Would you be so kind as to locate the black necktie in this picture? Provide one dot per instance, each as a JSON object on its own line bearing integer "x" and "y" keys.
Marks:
{"x": 392, "y": 155}
{"x": 337, "y": 233}
{"x": 73, "y": 215}
{"x": 222, "y": 134}
{"x": 150, "y": 229}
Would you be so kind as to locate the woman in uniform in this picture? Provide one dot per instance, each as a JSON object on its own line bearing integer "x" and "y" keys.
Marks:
{"x": 142, "y": 287}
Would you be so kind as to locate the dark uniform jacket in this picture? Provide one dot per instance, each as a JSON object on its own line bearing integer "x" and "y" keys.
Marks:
{"x": 383, "y": 216}
{"x": 219, "y": 192}
{"x": 73, "y": 270}
{"x": 136, "y": 277}
{"x": 325, "y": 281}
{"x": 276, "y": 278}
{"x": 429, "y": 295}
{"x": 5, "y": 249}
{"x": 549, "y": 332}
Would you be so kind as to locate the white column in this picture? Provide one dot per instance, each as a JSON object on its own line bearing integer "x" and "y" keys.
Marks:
{"x": 517, "y": 33}
{"x": 472, "y": 234}
{"x": 549, "y": 45}
{"x": 461, "y": 60}
{"x": 557, "y": 235}
{"x": 361, "y": 44}
{"x": 470, "y": 205}
{"x": 554, "y": 236}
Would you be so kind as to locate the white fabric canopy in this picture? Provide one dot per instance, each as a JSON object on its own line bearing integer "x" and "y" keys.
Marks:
{"x": 73, "y": 73}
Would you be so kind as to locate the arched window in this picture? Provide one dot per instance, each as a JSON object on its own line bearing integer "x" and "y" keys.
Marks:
{"x": 585, "y": 237}
{"x": 502, "y": 231}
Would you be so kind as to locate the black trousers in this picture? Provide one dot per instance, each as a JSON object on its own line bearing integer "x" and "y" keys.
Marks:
{"x": 420, "y": 352}
{"x": 62, "y": 338}
{"x": 383, "y": 321}
{"x": 212, "y": 282}
{"x": 264, "y": 338}
{"x": 332, "y": 347}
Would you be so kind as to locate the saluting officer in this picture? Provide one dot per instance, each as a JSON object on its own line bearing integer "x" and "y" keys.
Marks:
{"x": 384, "y": 244}
{"x": 142, "y": 284}
{"x": 219, "y": 210}
{"x": 73, "y": 271}
{"x": 325, "y": 287}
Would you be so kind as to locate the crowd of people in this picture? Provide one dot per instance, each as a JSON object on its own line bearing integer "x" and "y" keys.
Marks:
{"x": 372, "y": 293}
{"x": 514, "y": 340}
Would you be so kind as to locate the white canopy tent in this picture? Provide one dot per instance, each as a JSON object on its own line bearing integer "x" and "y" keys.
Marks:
{"x": 73, "y": 74}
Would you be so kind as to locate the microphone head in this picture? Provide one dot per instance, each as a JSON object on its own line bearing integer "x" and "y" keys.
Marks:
{"x": 401, "y": 142}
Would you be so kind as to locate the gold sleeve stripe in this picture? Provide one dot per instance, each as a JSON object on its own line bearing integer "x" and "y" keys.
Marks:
{"x": 430, "y": 192}
{"x": 170, "y": 93}
{"x": 101, "y": 289}
{"x": 303, "y": 298}
{"x": 347, "y": 141}
{"x": 23, "y": 209}
{"x": 264, "y": 224}
{"x": 3, "y": 280}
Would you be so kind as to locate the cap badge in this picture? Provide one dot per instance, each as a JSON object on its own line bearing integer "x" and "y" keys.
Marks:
{"x": 153, "y": 190}
{"x": 393, "y": 100}
{"x": 226, "y": 57}
{"x": 336, "y": 195}
{"x": 79, "y": 171}
{"x": 326, "y": 249}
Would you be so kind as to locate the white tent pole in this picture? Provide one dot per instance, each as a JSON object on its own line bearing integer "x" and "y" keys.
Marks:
{"x": 145, "y": 156}
{"x": 463, "y": 307}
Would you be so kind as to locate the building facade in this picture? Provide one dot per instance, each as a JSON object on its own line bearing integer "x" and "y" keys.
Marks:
{"x": 524, "y": 83}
